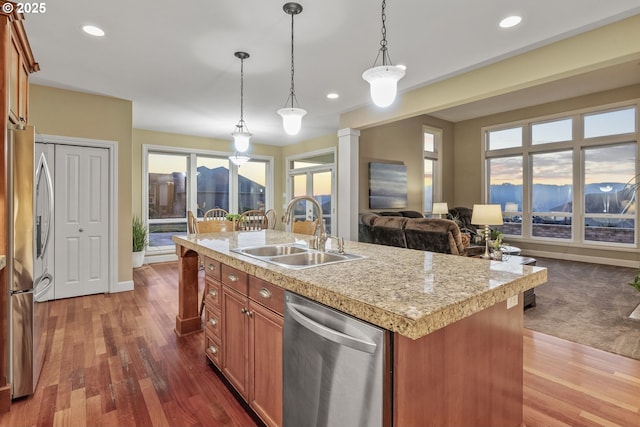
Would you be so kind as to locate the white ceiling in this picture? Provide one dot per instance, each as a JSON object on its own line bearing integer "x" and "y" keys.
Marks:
{"x": 175, "y": 60}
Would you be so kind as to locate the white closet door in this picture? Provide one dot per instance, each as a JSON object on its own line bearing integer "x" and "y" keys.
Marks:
{"x": 82, "y": 221}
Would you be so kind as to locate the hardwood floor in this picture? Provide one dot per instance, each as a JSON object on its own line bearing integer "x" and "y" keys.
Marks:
{"x": 115, "y": 361}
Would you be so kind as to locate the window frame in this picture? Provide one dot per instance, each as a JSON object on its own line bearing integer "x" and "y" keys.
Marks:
{"x": 437, "y": 158}
{"x": 192, "y": 155}
{"x": 577, "y": 145}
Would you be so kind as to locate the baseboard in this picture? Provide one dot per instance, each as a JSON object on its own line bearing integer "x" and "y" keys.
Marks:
{"x": 166, "y": 257}
{"x": 122, "y": 287}
{"x": 582, "y": 258}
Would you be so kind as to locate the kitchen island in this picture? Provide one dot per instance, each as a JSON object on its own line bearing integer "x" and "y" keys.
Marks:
{"x": 455, "y": 322}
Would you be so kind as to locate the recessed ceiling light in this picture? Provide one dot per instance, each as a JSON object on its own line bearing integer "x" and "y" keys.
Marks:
{"x": 93, "y": 30}
{"x": 333, "y": 96}
{"x": 510, "y": 21}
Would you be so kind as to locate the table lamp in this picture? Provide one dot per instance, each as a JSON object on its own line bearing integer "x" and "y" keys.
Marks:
{"x": 440, "y": 208}
{"x": 486, "y": 215}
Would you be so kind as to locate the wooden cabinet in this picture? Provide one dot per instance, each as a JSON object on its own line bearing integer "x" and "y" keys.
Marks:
{"x": 243, "y": 337}
{"x": 18, "y": 82}
{"x": 235, "y": 365}
{"x": 265, "y": 363}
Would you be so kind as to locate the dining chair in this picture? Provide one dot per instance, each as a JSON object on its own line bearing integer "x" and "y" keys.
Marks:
{"x": 192, "y": 222}
{"x": 252, "y": 220}
{"x": 272, "y": 218}
{"x": 211, "y": 226}
{"x": 215, "y": 213}
{"x": 305, "y": 227}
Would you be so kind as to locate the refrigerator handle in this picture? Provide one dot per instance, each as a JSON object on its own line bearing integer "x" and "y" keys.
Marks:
{"x": 328, "y": 333}
{"x": 43, "y": 167}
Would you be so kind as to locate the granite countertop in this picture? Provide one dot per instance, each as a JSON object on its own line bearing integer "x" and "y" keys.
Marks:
{"x": 3, "y": 261}
{"x": 406, "y": 291}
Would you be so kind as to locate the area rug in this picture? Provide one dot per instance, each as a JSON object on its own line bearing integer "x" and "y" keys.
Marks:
{"x": 589, "y": 304}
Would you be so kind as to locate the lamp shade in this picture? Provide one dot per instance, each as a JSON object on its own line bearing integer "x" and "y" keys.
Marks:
{"x": 440, "y": 208}
{"x": 241, "y": 140}
{"x": 292, "y": 119}
{"x": 511, "y": 207}
{"x": 383, "y": 81}
{"x": 486, "y": 215}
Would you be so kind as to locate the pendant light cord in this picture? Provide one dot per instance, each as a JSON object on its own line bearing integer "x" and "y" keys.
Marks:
{"x": 242, "y": 92}
{"x": 292, "y": 94}
{"x": 383, "y": 42}
{"x": 386, "y": 59}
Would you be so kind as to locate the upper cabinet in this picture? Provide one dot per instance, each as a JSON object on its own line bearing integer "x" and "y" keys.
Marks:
{"x": 18, "y": 64}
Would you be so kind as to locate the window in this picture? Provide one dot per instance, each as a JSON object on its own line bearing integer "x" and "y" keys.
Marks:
{"x": 552, "y": 194}
{"x": 505, "y": 138}
{"x": 567, "y": 179}
{"x": 554, "y": 131}
{"x": 179, "y": 180}
{"x": 608, "y": 201}
{"x": 432, "y": 146}
{"x": 313, "y": 174}
{"x": 505, "y": 189}
{"x": 610, "y": 123}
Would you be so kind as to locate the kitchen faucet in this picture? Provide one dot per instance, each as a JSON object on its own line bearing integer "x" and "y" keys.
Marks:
{"x": 321, "y": 232}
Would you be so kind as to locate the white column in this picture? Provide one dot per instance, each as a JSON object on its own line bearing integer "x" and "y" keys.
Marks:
{"x": 348, "y": 157}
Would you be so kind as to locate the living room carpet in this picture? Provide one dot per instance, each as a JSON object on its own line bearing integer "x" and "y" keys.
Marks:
{"x": 588, "y": 304}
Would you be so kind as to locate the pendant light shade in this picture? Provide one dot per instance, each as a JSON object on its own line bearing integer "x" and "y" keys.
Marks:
{"x": 292, "y": 119}
{"x": 291, "y": 115}
{"x": 239, "y": 160}
{"x": 241, "y": 136}
{"x": 241, "y": 140}
{"x": 383, "y": 79}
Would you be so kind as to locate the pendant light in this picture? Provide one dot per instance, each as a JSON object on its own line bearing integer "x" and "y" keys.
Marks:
{"x": 292, "y": 116}
{"x": 241, "y": 136}
{"x": 383, "y": 79}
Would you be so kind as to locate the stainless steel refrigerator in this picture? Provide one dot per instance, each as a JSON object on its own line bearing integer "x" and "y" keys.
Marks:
{"x": 30, "y": 207}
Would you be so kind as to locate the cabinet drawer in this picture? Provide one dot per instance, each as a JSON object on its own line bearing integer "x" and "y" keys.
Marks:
{"x": 212, "y": 294}
{"x": 211, "y": 268}
{"x": 235, "y": 279}
{"x": 213, "y": 320}
{"x": 267, "y": 294}
{"x": 213, "y": 349}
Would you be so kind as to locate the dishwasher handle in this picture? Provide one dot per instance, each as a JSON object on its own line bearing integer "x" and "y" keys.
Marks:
{"x": 330, "y": 334}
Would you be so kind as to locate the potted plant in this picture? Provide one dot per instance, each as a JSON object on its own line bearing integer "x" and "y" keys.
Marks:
{"x": 139, "y": 241}
{"x": 496, "y": 244}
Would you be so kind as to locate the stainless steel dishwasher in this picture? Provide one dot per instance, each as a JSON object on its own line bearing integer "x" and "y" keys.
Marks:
{"x": 336, "y": 368}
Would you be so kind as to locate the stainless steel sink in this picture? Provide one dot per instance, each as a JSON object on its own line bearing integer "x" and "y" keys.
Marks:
{"x": 295, "y": 257}
{"x": 272, "y": 250}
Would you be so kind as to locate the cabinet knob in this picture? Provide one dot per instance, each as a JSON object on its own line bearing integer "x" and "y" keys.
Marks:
{"x": 213, "y": 349}
{"x": 211, "y": 267}
{"x": 213, "y": 321}
{"x": 213, "y": 292}
{"x": 265, "y": 293}
{"x": 233, "y": 277}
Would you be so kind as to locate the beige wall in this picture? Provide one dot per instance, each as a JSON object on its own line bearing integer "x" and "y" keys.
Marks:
{"x": 68, "y": 113}
{"x": 402, "y": 141}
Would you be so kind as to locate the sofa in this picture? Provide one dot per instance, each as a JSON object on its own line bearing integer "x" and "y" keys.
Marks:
{"x": 426, "y": 234}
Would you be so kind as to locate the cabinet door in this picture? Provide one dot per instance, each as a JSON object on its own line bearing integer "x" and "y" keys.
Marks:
{"x": 265, "y": 349}
{"x": 14, "y": 79}
{"x": 235, "y": 340}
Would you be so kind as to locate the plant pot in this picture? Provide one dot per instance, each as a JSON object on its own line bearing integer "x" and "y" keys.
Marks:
{"x": 137, "y": 259}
